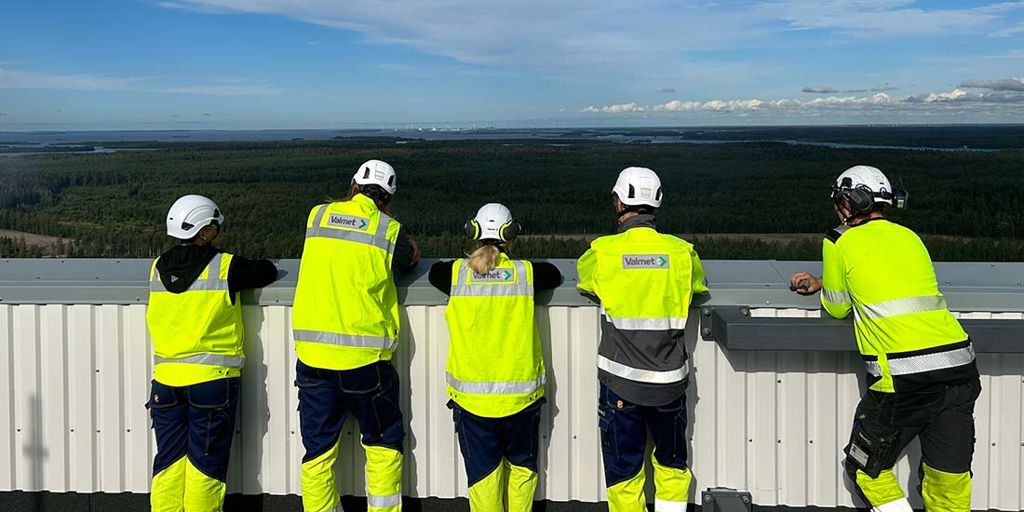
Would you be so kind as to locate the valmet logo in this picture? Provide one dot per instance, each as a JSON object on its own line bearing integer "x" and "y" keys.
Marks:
{"x": 498, "y": 274}
{"x": 348, "y": 221}
{"x": 645, "y": 261}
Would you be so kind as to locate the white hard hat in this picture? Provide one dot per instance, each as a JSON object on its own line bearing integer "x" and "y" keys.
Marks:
{"x": 872, "y": 178}
{"x": 638, "y": 186}
{"x": 376, "y": 172}
{"x": 191, "y": 213}
{"x": 493, "y": 221}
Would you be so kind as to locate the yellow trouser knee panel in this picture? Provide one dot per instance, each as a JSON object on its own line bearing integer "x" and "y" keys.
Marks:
{"x": 522, "y": 485}
{"x": 486, "y": 495}
{"x": 202, "y": 493}
{"x": 945, "y": 492}
{"x": 628, "y": 496}
{"x": 383, "y": 479}
{"x": 881, "y": 490}
{"x": 319, "y": 490}
{"x": 167, "y": 493}
{"x": 672, "y": 488}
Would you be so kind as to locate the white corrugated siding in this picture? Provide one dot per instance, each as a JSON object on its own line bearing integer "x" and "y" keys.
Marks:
{"x": 75, "y": 378}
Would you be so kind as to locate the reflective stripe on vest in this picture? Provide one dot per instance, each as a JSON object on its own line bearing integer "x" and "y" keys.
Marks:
{"x": 206, "y": 359}
{"x": 496, "y": 388}
{"x": 904, "y": 306}
{"x": 836, "y": 297}
{"x": 638, "y": 375}
{"x": 647, "y": 324}
{"x": 345, "y": 340}
{"x": 378, "y": 239}
{"x": 213, "y": 282}
{"x": 518, "y": 288}
{"x": 924, "y": 363}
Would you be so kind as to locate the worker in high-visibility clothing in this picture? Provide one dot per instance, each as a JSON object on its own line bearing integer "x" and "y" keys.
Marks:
{"x": 495, "y": 368}
{"x": 921, "y": 372}
{"x": 645, "y": 281}
{"x": 345, "y": 325}
{"x": 195, "y": 321}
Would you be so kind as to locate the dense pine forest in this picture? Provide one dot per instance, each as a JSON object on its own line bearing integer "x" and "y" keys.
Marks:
{"x": 969, "y": 206}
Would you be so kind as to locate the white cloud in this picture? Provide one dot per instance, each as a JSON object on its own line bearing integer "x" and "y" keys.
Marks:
{"x": 1008, "y": 84}
{"x": 18, "y": 79}
{"x": 873, "y": 103}
{"x": 616, "y": 109}
{"x": 223, "y": 90}
{"x": 21, "y": 79}
{"x": 1009, "y": 31}
{"x": 864, "y": 18}
{"x": 586, "y": 37}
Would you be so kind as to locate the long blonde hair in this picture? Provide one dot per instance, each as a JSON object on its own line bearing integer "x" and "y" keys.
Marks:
{"x": 484, "y": 258}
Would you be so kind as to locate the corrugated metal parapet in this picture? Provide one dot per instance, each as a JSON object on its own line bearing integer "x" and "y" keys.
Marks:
{"x": 967, "y": 286}
{"x": 75, "y": 363}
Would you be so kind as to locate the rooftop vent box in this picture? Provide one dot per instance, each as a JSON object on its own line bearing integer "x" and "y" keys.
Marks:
{"x": 720, "y": 499}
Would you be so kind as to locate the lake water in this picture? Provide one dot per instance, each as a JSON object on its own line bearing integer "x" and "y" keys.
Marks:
{"x": 562, "y": 135}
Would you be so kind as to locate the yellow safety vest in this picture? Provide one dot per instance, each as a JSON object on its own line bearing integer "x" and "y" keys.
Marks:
{"x": 345, "y": 313}
{"x": 197, "y": 334}
{"x": 881, "y": 272}
{"x": 495, "y": 364}
{"x": 645, "y": 281}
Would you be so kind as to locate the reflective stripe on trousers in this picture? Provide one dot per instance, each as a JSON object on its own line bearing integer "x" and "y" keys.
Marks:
{"x": 393, "y": 500}
{"x": 924, "y": 363}
{"x": 206, "y": 359}
{"x": 212, "y": 282}
{"x": 639, "y": 375}
{"x": 518, "y": 288}
{"x": 379, "y": 239}
{"x": 344, "y": 340}
{"x": 496, "y": 388}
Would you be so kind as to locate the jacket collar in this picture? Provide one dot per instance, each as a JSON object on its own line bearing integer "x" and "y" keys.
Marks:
{"x": 637, "y": 221}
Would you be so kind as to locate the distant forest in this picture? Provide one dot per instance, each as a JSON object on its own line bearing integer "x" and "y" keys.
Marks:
{"x": 969, "y": 206}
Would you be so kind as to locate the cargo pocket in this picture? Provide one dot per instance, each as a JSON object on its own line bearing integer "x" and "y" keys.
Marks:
{"x": 161, "y": 396}
{"x": 606, "y": 423}
{"x": 872, "y": 450}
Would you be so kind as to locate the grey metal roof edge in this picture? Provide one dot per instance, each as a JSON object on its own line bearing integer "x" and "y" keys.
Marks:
{"x": 992, "y": 287}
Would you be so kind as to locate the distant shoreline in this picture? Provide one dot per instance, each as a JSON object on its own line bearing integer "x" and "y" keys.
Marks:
{"x": 958, "y": 138}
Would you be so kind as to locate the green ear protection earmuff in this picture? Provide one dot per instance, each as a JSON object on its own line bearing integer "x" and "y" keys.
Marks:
{"x": 472, "y": 229}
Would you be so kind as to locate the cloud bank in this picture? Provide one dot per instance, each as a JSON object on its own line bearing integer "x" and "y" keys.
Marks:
{"x": 996, "y": 98}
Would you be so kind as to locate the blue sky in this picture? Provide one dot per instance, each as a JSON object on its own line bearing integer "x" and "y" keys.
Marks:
{"x": 257, "y": 64}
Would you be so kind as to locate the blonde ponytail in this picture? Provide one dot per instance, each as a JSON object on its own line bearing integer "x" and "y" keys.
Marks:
{"x": 484, "y": 258}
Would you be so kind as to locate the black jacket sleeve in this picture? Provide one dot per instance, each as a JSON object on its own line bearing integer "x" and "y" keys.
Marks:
{"x": 246, "y": 274}
{"x": 441, "y": 276}
{"x": 402, "y": 262}
{"x": 545, "y": 276}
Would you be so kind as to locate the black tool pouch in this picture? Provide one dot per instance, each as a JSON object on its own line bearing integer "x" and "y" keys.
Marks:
{"x": 870, "y": 452}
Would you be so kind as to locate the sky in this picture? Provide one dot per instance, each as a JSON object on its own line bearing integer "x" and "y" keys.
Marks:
{"x": 263, "y": 64}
